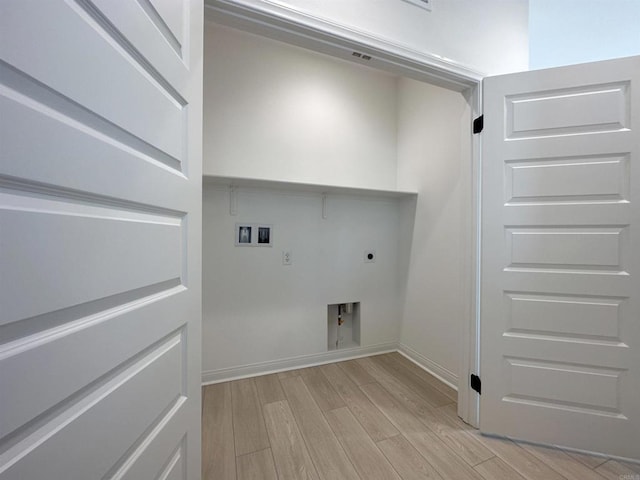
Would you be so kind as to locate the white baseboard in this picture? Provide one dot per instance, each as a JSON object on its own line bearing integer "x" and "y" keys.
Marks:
{"x": 435, "y": 369}
{"x": 245, "y": 371}
{"x": 590, "y": 453}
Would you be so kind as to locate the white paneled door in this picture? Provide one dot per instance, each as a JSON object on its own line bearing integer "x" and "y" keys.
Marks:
{"x": 100, "y": 228}
{"x": 560, "y": 313}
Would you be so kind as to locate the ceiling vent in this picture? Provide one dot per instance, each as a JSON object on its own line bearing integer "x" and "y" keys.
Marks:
{"x": 361, "y": 55}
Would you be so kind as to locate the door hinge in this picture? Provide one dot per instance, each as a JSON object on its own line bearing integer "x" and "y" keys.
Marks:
{"x": 478, "y": 124}
{"x": 476, "y": 384}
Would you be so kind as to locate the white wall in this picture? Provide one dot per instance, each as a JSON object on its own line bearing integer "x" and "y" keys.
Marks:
{"x": 257, "y": 310}
{"x": 433, "y": 137}
{"x": 568, "y": 32}
{"x": 489, "y": 36}
{"x": 278, "y": 112}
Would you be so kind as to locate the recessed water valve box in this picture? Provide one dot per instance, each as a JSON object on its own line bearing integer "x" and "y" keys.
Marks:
{"x": 343, "y": 325}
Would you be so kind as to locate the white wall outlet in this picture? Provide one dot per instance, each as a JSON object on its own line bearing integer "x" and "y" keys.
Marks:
{"x": 287, "y": 259}
{"x": 369, "y": 256}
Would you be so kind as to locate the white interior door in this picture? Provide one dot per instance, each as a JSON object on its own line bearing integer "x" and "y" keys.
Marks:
{"x": 100, "y": 227}
{"x": 560, "y": 314}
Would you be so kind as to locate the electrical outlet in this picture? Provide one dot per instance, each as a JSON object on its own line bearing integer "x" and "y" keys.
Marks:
{"x": 369, "y": 256}
{"x": 286, "y": 257}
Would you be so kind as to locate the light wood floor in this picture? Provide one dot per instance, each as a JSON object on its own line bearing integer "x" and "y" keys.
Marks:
{"x": 380, "y": 417}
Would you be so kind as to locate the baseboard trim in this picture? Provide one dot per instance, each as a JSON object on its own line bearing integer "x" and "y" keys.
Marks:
{"x": 253, "y": 370}
{"x": 635, "y": 461}
{"x": 435, "y": 369}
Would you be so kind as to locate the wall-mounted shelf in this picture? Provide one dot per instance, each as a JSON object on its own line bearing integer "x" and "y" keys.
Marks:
{"x": 302, "y": 187}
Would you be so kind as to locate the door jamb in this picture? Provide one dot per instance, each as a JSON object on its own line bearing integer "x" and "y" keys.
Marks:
{"x": 468, "y": 400}
{"x": 296, "y": 27}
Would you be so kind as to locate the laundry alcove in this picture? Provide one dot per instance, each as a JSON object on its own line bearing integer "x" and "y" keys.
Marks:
{"x": 341, "y": 159}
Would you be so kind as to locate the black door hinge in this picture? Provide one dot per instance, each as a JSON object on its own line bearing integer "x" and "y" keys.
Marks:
{"x": 478, "y": 124}
{"x": 476, "y": 384}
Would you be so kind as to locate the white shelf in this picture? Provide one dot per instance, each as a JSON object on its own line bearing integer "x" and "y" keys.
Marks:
{"x": 302, "y": 187}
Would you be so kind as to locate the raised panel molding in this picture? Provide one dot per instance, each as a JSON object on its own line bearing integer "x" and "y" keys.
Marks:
{"x": 151, "y": 108}
{"x": 596, "y": 179}
{"x": 57, "y": 350}
{"x": 25, "y": 99}
{"x": 169, "y": 18}
{"x": 559, "y": 385}
{"x": 82, "y": 239}
{"x": 571, "y": 111}
{"x": 565, "y": 317}
{"x": 152, "y": 387}
{"x": 566, "y": 248}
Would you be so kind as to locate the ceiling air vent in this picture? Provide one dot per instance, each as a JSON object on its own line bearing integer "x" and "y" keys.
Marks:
{"x": 361, "y": 55}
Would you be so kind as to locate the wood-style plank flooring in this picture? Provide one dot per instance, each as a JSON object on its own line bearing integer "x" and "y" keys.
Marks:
{"x": 379, "y": 417}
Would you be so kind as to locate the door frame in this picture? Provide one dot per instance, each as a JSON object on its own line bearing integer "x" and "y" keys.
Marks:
{"x": 299, "y": 28}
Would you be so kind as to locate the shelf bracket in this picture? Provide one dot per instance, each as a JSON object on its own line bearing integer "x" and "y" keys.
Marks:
{"x": 233, "y": 200}
{"x": 324, "y": 206}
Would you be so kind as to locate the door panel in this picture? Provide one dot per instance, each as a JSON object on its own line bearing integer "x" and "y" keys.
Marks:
{"x": 134, "y": 98}
{"x": 583, "y": 179}
{"x": 560, "y": 321}
{"x": 149, "y": 387}
{"x": 565, "y": 247}
{"x": 100, "y": 239}
{"x": 567, "y": 111}
{"x": 33, "y": 125}
{"x": 576, "y": 316}
{"x": 98, "y": 337}
{"x": 147, "y": 24}
{"x": 73, "y": 234}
